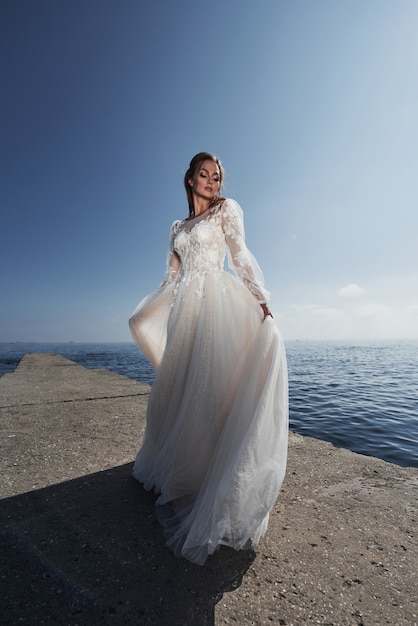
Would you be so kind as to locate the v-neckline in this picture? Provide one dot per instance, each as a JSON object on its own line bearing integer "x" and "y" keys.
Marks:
{"x": 190, "y": 219}
{"x": 187, "y": 220}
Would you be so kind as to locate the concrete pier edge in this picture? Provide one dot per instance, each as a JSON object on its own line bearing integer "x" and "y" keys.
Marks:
{"x": 80, "y": 543}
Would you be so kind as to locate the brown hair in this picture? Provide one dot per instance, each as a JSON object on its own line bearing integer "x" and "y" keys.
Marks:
{"x": 194, "y": 167}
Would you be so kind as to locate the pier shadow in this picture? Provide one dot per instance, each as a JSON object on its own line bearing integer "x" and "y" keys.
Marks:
{"x": 90, "y": 551}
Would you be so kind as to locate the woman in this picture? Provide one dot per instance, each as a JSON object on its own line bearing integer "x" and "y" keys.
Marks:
{"x": 215, "y": 444}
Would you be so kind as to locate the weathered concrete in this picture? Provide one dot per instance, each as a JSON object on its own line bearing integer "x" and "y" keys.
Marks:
{"x": 80, "y": 543}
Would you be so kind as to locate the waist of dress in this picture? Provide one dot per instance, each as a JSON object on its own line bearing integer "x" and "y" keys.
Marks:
{"x": 196, "y": 280}
{"x": 190, "y": 273}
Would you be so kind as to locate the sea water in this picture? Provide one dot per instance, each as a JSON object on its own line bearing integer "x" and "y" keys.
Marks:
{"x": 359, "y": 395}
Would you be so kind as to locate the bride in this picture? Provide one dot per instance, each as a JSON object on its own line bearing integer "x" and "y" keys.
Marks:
{"x": 215, "y": 444}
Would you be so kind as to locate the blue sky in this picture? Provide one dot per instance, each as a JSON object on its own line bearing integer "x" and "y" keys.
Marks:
{"x": 311, "y": 106}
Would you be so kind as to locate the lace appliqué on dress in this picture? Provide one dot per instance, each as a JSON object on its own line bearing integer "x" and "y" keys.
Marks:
{"x": 240, "y": 258}
{"x": 200, "y": 245}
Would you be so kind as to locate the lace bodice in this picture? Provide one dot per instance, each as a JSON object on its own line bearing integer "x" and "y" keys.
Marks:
{"x": 200, "y": 245}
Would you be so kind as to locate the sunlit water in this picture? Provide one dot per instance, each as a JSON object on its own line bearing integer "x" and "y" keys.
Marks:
{"x": 360, "y": 396}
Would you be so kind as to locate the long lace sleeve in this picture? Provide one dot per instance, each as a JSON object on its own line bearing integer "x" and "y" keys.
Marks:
{"x": 240, "y": 258}
{"x": 173, "y": 261}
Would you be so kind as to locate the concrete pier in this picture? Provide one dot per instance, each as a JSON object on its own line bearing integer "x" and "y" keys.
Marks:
{"x": 80, "y": 544}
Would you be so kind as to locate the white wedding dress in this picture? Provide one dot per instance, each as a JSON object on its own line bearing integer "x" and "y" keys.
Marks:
{"x": 215, "y": 445}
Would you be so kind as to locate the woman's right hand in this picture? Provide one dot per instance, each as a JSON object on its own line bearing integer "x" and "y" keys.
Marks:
{"x": 266, "y": 311}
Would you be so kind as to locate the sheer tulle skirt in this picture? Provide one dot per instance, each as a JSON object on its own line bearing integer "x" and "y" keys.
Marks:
{"x": 215, "y": 445}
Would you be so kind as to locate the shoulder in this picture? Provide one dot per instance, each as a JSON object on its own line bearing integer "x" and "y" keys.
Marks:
{"x": 175, "y": 227}
{"x": 231, "y": 208}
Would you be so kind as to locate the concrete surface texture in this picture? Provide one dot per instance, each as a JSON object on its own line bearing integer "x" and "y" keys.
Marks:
{"x": 80, "y": 543}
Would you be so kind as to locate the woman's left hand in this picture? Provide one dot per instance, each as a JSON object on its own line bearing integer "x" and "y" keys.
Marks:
{"x": 266, "y": 311}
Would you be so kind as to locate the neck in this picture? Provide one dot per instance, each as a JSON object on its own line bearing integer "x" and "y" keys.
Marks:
{"x": 200, "y": 205}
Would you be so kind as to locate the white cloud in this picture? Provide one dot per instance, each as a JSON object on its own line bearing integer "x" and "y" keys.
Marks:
{"x": 387, "y": 310}
{"x": 351, "y": 291}
{"x": 373, "y": 310}
{"x": 374, "y": 321}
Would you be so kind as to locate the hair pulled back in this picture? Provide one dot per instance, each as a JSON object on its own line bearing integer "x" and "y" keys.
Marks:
{"x": 194, "y": 167}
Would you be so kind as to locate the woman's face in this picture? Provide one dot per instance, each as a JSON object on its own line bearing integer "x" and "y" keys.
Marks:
{"x": 207, "y": 180}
